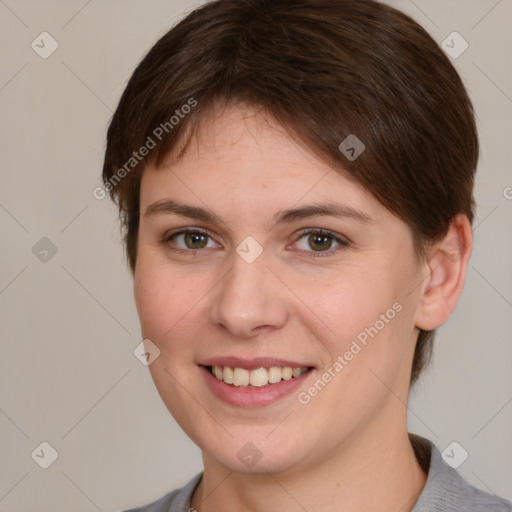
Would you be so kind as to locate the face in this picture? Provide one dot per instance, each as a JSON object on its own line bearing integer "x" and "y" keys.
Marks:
{"x": 254, "y": 253}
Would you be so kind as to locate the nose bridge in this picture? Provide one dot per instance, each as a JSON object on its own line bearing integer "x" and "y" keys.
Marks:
{"x": 248, "y": 298}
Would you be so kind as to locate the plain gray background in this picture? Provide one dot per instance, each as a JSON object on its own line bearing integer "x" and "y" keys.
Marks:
{"x": 68, "y": 323}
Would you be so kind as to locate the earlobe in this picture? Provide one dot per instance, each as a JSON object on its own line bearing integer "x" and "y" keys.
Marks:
{"x": 446, "y": 263}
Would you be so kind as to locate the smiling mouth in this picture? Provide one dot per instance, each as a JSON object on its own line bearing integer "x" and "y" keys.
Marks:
{"x": 257, "y": 378}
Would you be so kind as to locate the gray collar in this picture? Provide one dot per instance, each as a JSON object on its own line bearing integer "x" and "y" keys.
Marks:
{"x": 445, "y": 490}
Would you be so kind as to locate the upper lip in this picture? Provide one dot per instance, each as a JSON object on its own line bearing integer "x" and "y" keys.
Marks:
{"x": 252, "y": 364}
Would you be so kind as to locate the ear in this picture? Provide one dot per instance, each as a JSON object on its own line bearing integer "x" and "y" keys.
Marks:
{"x": 446, "y": 263}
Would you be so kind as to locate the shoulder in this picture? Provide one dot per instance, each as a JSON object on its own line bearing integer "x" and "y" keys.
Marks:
{"x": 445, "y": 490}
{"x": 177, "y": 500}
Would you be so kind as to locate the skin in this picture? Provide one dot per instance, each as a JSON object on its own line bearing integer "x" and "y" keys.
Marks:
{"x": 348, "y": 447}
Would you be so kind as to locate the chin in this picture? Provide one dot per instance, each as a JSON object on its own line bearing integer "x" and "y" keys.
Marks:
{"x": 254, "y": 454}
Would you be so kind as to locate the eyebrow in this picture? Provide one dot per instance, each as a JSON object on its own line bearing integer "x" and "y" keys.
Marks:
{"x": 169, "y": 206}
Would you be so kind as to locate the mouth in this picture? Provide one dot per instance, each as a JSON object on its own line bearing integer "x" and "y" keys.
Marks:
{"x": 262, "y": 377}
{"x": 255, "y": 382}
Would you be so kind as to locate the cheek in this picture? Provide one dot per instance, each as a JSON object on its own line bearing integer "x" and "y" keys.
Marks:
{"x": 168, "y": 306}
{"x": 348, "y": 302}
{"x": 368, "y": 318}
{"x": 166, "y": 302}
{"x": 367, "y": 343}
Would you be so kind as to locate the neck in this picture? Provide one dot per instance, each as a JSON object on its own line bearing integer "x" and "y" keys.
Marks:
{"x": 379, "y": 475}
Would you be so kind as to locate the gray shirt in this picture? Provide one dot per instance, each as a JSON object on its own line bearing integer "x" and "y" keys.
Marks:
{"x": 444, "y": 491}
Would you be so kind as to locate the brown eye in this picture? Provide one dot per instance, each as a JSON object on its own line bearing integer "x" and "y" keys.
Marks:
{"x": 189, "y": 240}
{"x": 195, "y": 240}
{"x": 320, "y": 242}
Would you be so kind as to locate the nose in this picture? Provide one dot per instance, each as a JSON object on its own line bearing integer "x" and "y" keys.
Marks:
{"x": 249, "y": 299}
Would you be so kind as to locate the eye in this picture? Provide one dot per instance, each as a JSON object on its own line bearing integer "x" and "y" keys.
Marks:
{"x": 320, "y": 240}
{"x": 188, "y": 240}
{"x": 313, "y": 241}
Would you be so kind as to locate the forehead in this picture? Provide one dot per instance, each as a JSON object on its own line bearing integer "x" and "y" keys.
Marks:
{"x": 247, "y": 155}
{"x": 242, "y": 138}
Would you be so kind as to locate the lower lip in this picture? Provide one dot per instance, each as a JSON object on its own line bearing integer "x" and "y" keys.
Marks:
{"x": 252, "y": 397}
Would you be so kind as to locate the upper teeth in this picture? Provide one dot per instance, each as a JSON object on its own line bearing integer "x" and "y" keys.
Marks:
{"x": 258, "y": 377}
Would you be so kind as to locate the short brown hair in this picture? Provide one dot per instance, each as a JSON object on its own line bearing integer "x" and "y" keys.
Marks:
{"x": 324, "y": 69}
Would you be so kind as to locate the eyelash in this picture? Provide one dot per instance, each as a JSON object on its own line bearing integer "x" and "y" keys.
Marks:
{"x": 343, "y": 242}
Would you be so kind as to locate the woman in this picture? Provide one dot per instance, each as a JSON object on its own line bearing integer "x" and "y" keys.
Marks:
{"x": 295, "y": 183}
